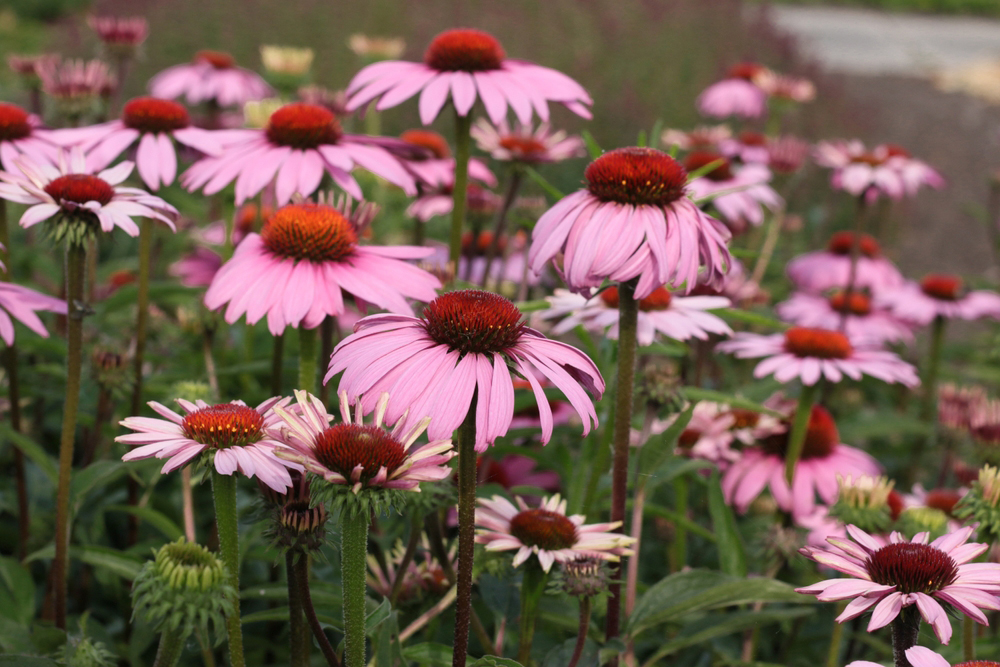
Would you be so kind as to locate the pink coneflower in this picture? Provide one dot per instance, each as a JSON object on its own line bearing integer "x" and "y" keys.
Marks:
{"x": 434, "y": 168}
{"x": 467, "y": 343}
{"x": 211, "y": 77}
{"x": 525, "y": 145}
{"x": 235, "y": 433}
{"x": 890, "y": 577}
{"x": 956, "y": 405}
{"x": 306, "y": 257}
{"x": 119, "y": 33}
{"x": 153, "y": 123}
{"x": 810, "y": 354}
{"x": 886, "y": 169}
{"x": 831, "y": 268}
{"x": 748, "y": 147}
{"x": 786, "y": 87}
{"x": 823, "y": 458}
{"x": 466, "y": 65}
{"x": 515, "y": 470}
{"x": 472, "y": 263}
{"x": 708, "y": 435}
{"x": 546, "y": 532}
{"x": 786, "y": 154}
{"x": 677, "y": 317}
{"x": 300, "y": 144}
{"x": 939, "y": 295}
{"x": 20, "y": 303}
{"x": 634, "y": 220}
{"x": 70, "y": 190}
{"x": 861, "y": 320}
{"x": 355, "y": 454}
{"x": 739, "y": 193}
{"x": 441, "y": 201}
{"x": 705, "y": 137}
{"x": 74, "y": 84}
{"x": 27, "y": 66}
{"x": 21, "y": 134}
{"x": 736, "y": 95}
{"x": 921, "y": 656}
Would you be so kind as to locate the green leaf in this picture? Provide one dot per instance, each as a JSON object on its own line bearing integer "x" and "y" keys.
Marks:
{"x": 592, "y": 147}
{"x": 281, "y": 614}
{"x": 377, "y": 617}
{"x": 651, "y": 509}
{"x": 99, "y": 473}
{"x": 542, "y": 182}
{"x": 429, "y": 653}
{"x": 17, "y": 589}
{"x": 495, "y": 661}
{"x": 660, "y": 449}
{"x": 26, "y": 661}
{"x": 696, "y": 394}
{"x": 683, "y": 593}
{"x": 732, "y": 553}
{"x": 117, "y": 562}
{"x": 155, "y": 518}
{"x": 731, "y": 315}
{"x": 32, "y": 450}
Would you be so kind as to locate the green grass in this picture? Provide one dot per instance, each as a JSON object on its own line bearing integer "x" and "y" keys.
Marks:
{"x": 976, "y": 7}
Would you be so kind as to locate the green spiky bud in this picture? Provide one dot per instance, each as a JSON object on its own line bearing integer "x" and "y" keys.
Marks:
{"x": 982, "y": 504}
{"x": 863, "y": 502}
{"x": 915, "y": 520}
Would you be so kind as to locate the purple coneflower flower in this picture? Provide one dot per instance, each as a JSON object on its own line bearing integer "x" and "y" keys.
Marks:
{"x": 736, "y": 95}
{"x": 939, "y": 295}
{"x": 525, "y": 145}
{"x": 860, "y": 318}
{"x": 21, "y": 134}
{"x": 739, "y": 193}
{"x": 211, "y": 77}
{"x": 831, "y": 268}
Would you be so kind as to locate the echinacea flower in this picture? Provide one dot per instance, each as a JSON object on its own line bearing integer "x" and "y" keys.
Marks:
{"x": 155, "y": 124}
{"x": 69, "y": 190}
{"x": 956, "y": 405}
{"x": 831, "y": 268}
{"x": 211, "y": 77}
{"x": 21, "y": 133}
{"x": 508, "y": 265}
{"x": 546, "y": 531}
{"x": 20, "y": 303}
{"x": 704, "y": 137}
{"x": 860, "y": 317}
{"x": 677, "y": 317}
{"x": 526, "y": 145}
{"x": 736, "y": 95}
{"x": 356, "y": 454}
{"x": 886, "y": 578}
{"x": 466, "y": 65}
{"x": 812, "y": 353}
{"x": 634, "y": 220}
{"x": 300, "y": 144}
{"x": 286, "y": 60}
{"x": 823, "y": 458}
{"x": 739, "y": 193}
{"x": 708, "y": 435}
{"x": 235, "y": 433}
{"x": 939, "y": 295}
{"x": 433, "y": 167}
{"x": 303, "y": 262}
{"x": 886, "y": 169}
{"x": 921, "y": 656}
{"x": 786, "y": 87}
{"x": 120, "y": 35}
{"x": 75, "y": 84}
{"x": 467, "y": 343}
{"x": 515, "y": 470}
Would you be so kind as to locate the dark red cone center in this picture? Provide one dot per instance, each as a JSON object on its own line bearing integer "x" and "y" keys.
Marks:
{"x": 217, "y": 59}
{"x": 821, "y": 440}
{"x": 853, "y": 303}
{"x": 819, "y": 343}
{"x": 302, "y": 125}
{"x": 432, "y": 141}
{"x": 14, "y": 123}
{"x": 464, "y": 51}
{"x": 149, "y": 114}
{"x": 912, "y": 568}
{"x": 344, "y": 447}
{"x": 543, "y": 529}
{"x": 841, "y": 242}
{"x": 309, "y": 231}
{"x": 474, "y": 321}
{"x": 636, "y": 175}
{"x": 224, "y": 425}
{"x": 80, "y": 189}
{"x": 942, "y": 286}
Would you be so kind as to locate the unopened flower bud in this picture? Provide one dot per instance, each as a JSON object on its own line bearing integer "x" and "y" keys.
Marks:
{"x": 982, "y": 504}
{"x": 915, "y": 520}
{"x": 585, "y": 578}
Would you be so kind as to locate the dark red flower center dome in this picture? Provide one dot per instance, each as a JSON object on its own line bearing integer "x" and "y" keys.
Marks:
{"x": 150, "y": 114}
{"x": 301, "y": 125}
{"x": 224, "y": 425}
{"x": 521, "y": 146}
{"x": 743, "y": 418}
{"x": 309, "y": 231}
{"x": 217, "y": 59}
{"x": 636, "y": 175}
{"x": 748, "y": 71}
{"x": 912, "y": 568}
{"x": 822, "y": 437}
{"x": 748, "y": 138}
{"x": 543, "y": 529}
{"x": 698, "y": 159}
{"x": 943, "y": 499}
{"x": 852, "y": 303}
{"x": 659, "y": 299}
{"x": 14, "y": 123}
{"x": 943, "y": 286}
{"x": 481, "y": 245}
{"x": 464, "y": 51}
{"x": 818, "y": 343}
{"x": 344, "y": 447}
{"x": 80, "y": 189}
{"x": 432, "y": 141}
{"x": 473, "y": 321}
{"x": 841, "y": 243}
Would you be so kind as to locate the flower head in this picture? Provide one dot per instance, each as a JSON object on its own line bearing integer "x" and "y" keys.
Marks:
{"x": 632, "y": 221}
{"x": 76, "y": 84}
{"x": 376, "y": 48}
{"x": 120, "y": 35}
{"x": 466, "y": 65}
{"x": 546, "y": 531}
{"x": 830, "y": 268}
{"x": 306, "y": 257}
{"x": 884, "y": 170}
{"x": 740, "y": 194}
{"x": 956, "y": 405}
{"x": 812, "y": 353}
{"x": 21, "y": 134}
{"x": 888, "y": 577}
{"x": 940, "y": 295}
{"x": 355, "y": 454}
{"x": 525, "y": 145}
{"x": 737, "y": 95}
{"x": 236, "y": 434}
{"x": 212, "y": 77}
{"x": 466, "y": 344}
{"x": 286, "y": 60}
{"x": 21, "y": 303}
{"x": 861, "y": 319}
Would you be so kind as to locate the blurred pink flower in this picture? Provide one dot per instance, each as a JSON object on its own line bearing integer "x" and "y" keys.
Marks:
{"x": 211, "y": 77}
{"x": 736, "y": 95}
{"x": 433, "y": 168}
{"x": 939, "y": 295}
{"x": 20, "y": 303}
{"x": 466, "y": 65}
{"x": 830, "y": 269}
{"x": 861, "y": 319}
{"x": 525, "y": 145}
{"x": 75, "y": 83}
{"x": 21, "y": 133}
{"x": 516, "y": 470}
{"x": 705, "y": 137}
{"x": 739, "y": 193}
{"x": 886, "y": 169}
{"x": 118, "y": 32}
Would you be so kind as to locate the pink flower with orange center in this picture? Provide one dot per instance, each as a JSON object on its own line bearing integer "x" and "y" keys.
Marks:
{"x": 211, "y": 77}
{"x": 740, "y": 194}
{"x": 736, "y": 95}
{"x": 524, "y": 144}
{"x": 812, "y": 353}
{"x": 634, "y": 220}
{"x": 432, "y": 165}
{"x": 119, "y": 32}
{"x": 21, "y": 133}
{"x": 886, "y": 169}
{"x": 861, "y": 318}
{"x": 939, "y": 295}
{"x": 831, "y": 268}
{"x": 21, "y": 304}
{"x": 466, "y": 65}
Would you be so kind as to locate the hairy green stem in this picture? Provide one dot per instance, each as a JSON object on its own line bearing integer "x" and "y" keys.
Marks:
{"x": 462, "y": 149}
{"x": 298, "y": 631}
{"x": 327, "y": 328}
{"x": 500, "y": 225}
{"x": 171, "y": 646}
{"x": 277, "y": 361}
{"x": 76, "y": 259}
{"x": 628, "y": 313}
{"x": 466, "y": 533}
{"x": 532, "y": 588}
{"x": 905, "y": 629}
{"x": 928, "y": 406}
{"x": 581, "y": 636}
{"x": 800, "y": 426}
{"x": 353, "y": 553}
{"x": 302, "y": 579}
{"x": 678, "y": 547}
{"x": 227, "y": 521}
{"x": 308, "y": 358}
{"x": 142, "y": 317}
{"x": 836, "y": 636}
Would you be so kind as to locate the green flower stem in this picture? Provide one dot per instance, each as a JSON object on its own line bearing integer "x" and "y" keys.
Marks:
{"x": 463, "y": 143}
{"x": 836, "y": 636}
{"x": 170, "y": 649}
{"x": 678, "y": 547}
{"x": 227, "y": 521}
{"x": 466, "y": 532}
{"x": 327, "y": 329}
{"x": 800, "y": 426}
{"x": 928, "y": 409}
{"x": 628, "y": 314}
{"x": 860, "y": 218}
{"x": 581, "y": 636}
{"x": 500, "y": 225}
{"x": 277, "y": 361}
{"x": 302, "y": 579}
{"x": 968, "y": 639}
{"x": 308, "y": 358}
{"x": 76, "y": 259}
{"x": 905, "y": 629}
{"x": 142, "y": 318}
{"x": 353, "y": 553}
{"x": 411, "y": 550}
{"x": 14, "y": 396}
{"x": 298, "y": 634}
{"x": 532, "y": 588}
